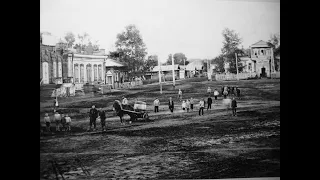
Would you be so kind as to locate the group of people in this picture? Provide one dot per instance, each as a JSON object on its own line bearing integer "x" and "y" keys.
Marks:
{"x": 63, "y": 122}
{"x": 95, "y": 114}
{"x": 189, "y": 103}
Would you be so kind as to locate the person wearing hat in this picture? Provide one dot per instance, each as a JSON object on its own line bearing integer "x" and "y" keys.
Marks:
{"x": 93, "y": 114}
{"x": 171, "y": 104}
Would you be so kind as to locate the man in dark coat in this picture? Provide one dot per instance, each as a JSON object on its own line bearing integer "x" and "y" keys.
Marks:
{"x": 93, "y": 114}
{"x": 234, "y": 107}
{"x": 171, "y": 104}
{"x": 209, "y": 103}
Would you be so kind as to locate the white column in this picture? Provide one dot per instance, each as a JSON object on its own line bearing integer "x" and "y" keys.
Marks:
{"x": 85, "y": 72}
{"x": 92, "y": 72}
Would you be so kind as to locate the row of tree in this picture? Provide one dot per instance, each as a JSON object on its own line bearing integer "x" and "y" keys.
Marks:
{"x": 231, "y": 47}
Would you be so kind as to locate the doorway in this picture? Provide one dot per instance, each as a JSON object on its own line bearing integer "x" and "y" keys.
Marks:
{"x": 263, "y": 72}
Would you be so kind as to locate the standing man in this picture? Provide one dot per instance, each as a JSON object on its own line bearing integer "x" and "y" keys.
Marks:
{"x": 180, "y": 94}
{"x": 93, "y": 114}
{"x": 201, "y": 104}
{"x": 57, "y": 119}
{"x": 56, "y": 104}
{"x": 191, "y": 103}
{"x": 171, "y": 105}
{"x": 102, "y": 115}
{"x": 234, "y": 107}
{"x": 156, "y": 104}
{"x": 209, "y": 102}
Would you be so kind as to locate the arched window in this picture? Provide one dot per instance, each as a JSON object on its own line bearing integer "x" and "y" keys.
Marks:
{"x": 82, "y": 73}
{"x": 89, "y": 73}
{"x": 95, "y": 72}
{"x": 99, "y": 72}
{"x": 54, "y": 67}
{"x": 76, "y": 73}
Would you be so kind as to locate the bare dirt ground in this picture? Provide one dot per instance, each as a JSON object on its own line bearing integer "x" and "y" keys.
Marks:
{"x": 169, "y": 146}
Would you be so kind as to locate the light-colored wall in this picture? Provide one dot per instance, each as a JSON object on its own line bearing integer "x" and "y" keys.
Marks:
{"x": 85, "y": 62}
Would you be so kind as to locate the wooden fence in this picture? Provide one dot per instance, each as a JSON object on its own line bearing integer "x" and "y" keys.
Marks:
{"x": 233, "y": 77}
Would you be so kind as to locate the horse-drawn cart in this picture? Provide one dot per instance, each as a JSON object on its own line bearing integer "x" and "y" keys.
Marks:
{"x": 135, "y": 112}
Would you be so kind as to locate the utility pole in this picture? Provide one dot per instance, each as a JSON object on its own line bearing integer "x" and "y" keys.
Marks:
{"x": 237, "y": 66}
{"x": 160, "y": 76}
{"x": 208, "y": 70}
{"x": 184, "y": 63}
{"x": 173, "y": 76}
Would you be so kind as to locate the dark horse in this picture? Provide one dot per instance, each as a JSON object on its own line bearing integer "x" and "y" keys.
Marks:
{"x": 121, "y": 110}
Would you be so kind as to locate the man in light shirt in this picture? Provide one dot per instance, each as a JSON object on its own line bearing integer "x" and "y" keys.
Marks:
{"x": 124, "y": 102}
{"x": 201, "y": 104}
{"x": 156, "y": 104}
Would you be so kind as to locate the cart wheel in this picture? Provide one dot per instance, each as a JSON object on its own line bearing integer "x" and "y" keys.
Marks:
{"x": 146, "y": 116}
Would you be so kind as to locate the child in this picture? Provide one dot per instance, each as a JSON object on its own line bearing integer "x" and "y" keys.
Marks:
{"x": 47, "y": 122}
{"x": 191, "y": 104}
{"x": 102, "y": 115}
{"x": 226, "y": 103}
{"x": 201, "y": 104}
{"x": 57, "y": 119}
{"x": 225, "y": 94}
{"x": 68, "y": 122}
{"x": 234, "y": 107}
{"x": 180, "y": 94}
{"x": 188, "y": 105}
{"x": 184, "y": 105}
{"x": 156, "y": 104}
{"x": 215, "y": 93}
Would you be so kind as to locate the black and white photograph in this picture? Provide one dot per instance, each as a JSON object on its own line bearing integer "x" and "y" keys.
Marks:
{"x": 159, "y": 89}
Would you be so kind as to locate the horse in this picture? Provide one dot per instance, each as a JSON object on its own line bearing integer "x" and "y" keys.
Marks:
{"x": 119, "y": 109}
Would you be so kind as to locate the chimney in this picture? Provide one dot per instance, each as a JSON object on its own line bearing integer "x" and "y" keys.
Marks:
{"x": 102, "y": 51}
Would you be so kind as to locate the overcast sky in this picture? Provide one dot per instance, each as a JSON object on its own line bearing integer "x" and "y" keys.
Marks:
{"x": 192, "y": 27}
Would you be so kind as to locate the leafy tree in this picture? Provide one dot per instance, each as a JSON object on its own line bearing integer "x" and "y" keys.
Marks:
{"x": 274, "y": 42}
{"x": 131, "y": 48}
{"x": 151, "y": 62}
{"x": 70, "y": 38}
{"x": 179, "y": 58}
{"x": 231, "y": 43}
{"x": 219, "y": 63}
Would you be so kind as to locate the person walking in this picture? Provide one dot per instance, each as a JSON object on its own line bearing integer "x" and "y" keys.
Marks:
{"x": 215, "y": 94}
{"x": 171, "y": 104}
{"x": 188, "y": 105}
{"x": 201, "y": 104}
{"x": 102, "y": 115}
{"x": 93, "y": 114}
{"x": 180, "y": 95}
{"x": 156, "y": 104}
{"x": 68, "y": 123}
{"x": 47, "y": 122}
{"x": 57, "y": 119}
{"x": 191, "y": 103}
{"x": 234, "y": 106}
{"x": 209, "y": 103}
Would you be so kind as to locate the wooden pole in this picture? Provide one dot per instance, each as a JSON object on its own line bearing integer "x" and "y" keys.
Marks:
{"x": 173, "y": 76}
{"x": 160, "y": 76}
{"x": 237, "y": 66}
